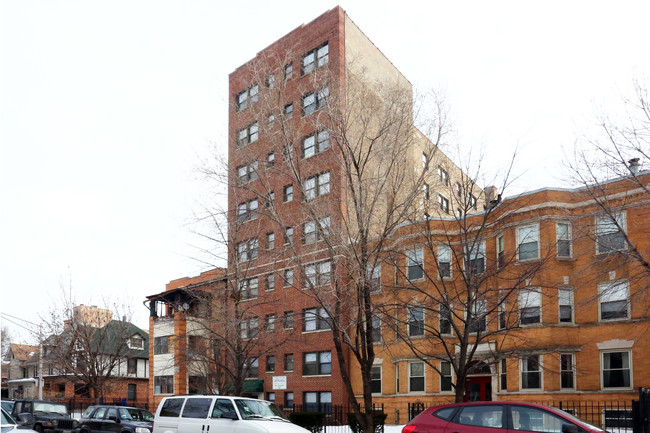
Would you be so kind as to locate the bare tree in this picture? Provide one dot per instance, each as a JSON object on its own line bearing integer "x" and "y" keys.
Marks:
{"x": 6, "y": 341}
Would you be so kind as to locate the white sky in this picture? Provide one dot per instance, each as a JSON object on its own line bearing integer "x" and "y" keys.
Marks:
{"x": 106, "y": 106}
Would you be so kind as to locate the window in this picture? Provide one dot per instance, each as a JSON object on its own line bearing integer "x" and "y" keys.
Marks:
{"x": 374, "y": 277}
{"x": 314, "y": 319}
{"x": 131, "y": 366}
{"x": 503, "y": 318}
{"x": 446, "y": 379}
{"x": 288, "y": 235}
{"x": 194, "y": 345}
{"x": 288, "y": 193}
{"x": 479, "y": 316}
{"x": 533, "y": 419}
{"x": 270, "y": 396}
{"x": 425, "y": 191}
{"x": 316, "y": 58}
{"x": 459, "y": 189}
{"x": 415, "y": 264}
{"x": 248, "y": 328}
{"x": 610, "y": 233}
{"x": 248, "y": 172}
{"x": 271, "y": 118}
{"x": 563, "y": 235}
{"x": 288, "y": 71}
{"x": 288, "y": 111}
{"x": 528, "y": 242}
{"x": 501, "y": 259}
{"x": 270, "y": 322}
{"x": 613, "y": 300}
{"x": 288, "y": 320}
{"x": 270, "y": 81}
{"x": 475, "y": 258}
{"x": 270, "y": 364}
{"x": 160, "y": 345}
{"x": 318, "y": 274}
{"x": 318, "y": 185}
{"x": 270, "y": 240}
{"x": 318, "y": 401}
{"x": 287, "y": 153}
{"x": 248, "y": 288}
{"x": 163, "y": 385}
{"x": 530, "y": 306}
{"x": 247, "y": 210}
{"x": 270, "y": 282}
{"x": 136, "y": 342}
{"x": 531, "y": 372}
{"x": 443, "y": 203}
{"x": 248, "y": 134}
{"x": 315, "y": 100}
{"x": 443, "y": 176}
{"x": 375, "y": 379}
{"x": 316, "y": 363}
{"x": 247, "y": 97}
{"x": 376, "y": 328}
{"x": 288, "y": 362}
{"x": 415, "y": 321}
{"x": 197, "y": 408}
{"x": 253, "y": 368}
{"x": 313, "y": 231}
{"x": 270, "y": 198}
{"x": 471, "y": 201}
{"x": 416, "y": 376}
{"x": 288, "y": 277}
{"x": 270, "y": 159}
{"x": 503, "y": 372}
{"x": 616, "y": 369}
{"x": 131, "y": 391}
{"x": 444, "y": 261}
{"x": 565, "y": 301}
{"x": 445, "y": 320}
{"x": 567, "y": 371}
{"x": 288, "y": 400}
{"x": 247, "y": 250}
{"x": 482, "y": 416}
{"x": 315, "y": 143}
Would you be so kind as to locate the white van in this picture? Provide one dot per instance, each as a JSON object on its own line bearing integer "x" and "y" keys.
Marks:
{"x": 218, "y": 413}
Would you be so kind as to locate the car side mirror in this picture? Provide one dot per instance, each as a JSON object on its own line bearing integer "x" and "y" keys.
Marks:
{"x": 230, "y": 415}
{"x": 26, "y": 419}
{"x": 117, "y": 420}
{"x": 569, "y": 428}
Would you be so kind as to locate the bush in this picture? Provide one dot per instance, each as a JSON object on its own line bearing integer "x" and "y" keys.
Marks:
{"x": 379, "y": 421}
{"x": 312, "y": 421}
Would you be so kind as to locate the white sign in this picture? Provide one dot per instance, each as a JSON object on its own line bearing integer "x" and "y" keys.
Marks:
{"x": 279, "y": 382}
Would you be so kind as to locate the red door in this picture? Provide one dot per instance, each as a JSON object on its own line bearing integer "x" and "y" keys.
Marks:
{"x": 478, "y": 388}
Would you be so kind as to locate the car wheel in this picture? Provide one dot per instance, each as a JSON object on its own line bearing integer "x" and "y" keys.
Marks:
{"x": 38, "y": 428}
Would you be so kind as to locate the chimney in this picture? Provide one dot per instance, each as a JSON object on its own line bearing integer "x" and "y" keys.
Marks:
{"x": 634, "y": 165}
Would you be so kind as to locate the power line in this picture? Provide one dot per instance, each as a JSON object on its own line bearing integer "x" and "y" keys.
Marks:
{"x": 18, "y": 318}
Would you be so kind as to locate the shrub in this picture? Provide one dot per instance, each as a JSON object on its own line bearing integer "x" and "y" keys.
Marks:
{"x": 379, "y": 420}
{"x": 312, "y": 421}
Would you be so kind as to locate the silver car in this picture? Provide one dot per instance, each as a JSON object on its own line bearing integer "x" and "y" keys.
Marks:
{"x": 9, "y": 425}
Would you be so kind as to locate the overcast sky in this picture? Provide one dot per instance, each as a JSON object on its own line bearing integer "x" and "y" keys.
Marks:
{"x": 106, "y": 107}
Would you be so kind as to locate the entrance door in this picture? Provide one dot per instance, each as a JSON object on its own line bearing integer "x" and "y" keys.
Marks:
{"x": 478, "y": 388}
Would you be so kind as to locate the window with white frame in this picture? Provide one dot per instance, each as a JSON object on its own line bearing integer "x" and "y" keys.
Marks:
{"x": 374, "y": 277}
{"x": 610, "y": 233}
{"x": 459, "y": 189}
{"x": 445, "y": 320}
{"x": 247, "y": 97}
{"x": 248, "y": 288}
{"x": 563, "y": 239}
{"x": 313, "y": 231}
{"x": 503, "y": 317}
{"x": 316, "y": 363}
{"x": 501, "y": 258}
{"x": 247, "y": 250}
{"x": 136, "y": 342}
{"x": 613, "y": 299}
{"x": 444, "y": 261}
{"x": 288, "y": 111}
{"x": 315, "y": 143}
{"x": 528, "y": 242}
{"x": 416, "y": 376}
{"x": 478, "y": 323}
{"x": 531, "y": 372}
{"x": 318, "y": 274}
{"x": 247, "y": 135}
{"x": 443, "y": 176}
{"x": 318, "y": 185}
{"x": 161, "y": 345}
{"x": 415, "y": 264}
{"x": 288, "y": 193}
{"x": 288, "y": 71}
{"x": 425, "y": 191}
{"x": 375, "y": 379}
{"x": 615, "y": 367}
{"x": 503, "y": 372}
{"x": 530, "y": 306}
{"x": 247, "y": 172}
{"x": 317, "y": 401}
{"x": 269, "y": 81}
{"x": 446, "y": 377}
{"x": 270, "y": 322}
{"x": 288, "y": 277}
{"x": 288, "y": 319}
{"x": 475, "y": 258}
{"x": 288, "y": 362}
{"x": 314, "y": 319}
{"x": 315, "y": 58}
{"x": 270, "y": 282}
{"x": 248, "y": 328}
{"x": 565, "y": 302}
{"x": 376, "y": 328}
{"x": 443, "y": 203}
{"x": 415, "y": 321}
{"x": 270, "y": 159}
{"x": 567, "y": 371}
{"x": 247, "y": 210}
{"x": 288, "y": 235}
{"x": 270, "y": 240}
{"x": 315, "y": 100}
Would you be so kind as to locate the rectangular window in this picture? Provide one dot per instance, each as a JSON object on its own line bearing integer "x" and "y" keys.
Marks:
{"x": 315, "y": 100}
{"x": 530, "y": 306}
{"x": 288, "y": 111}
{"x": 316, "y": 363}
{"x": 374, "y": 277}
{"x": 288, "y": 235}
{"x": 479, "y": 316}
{"x": 163, "y": 384}
{"x": 415, "y": 264}
{"x": 614, "y": 300}
{"x": 270, "y": 282}
{"x": 616, "y": 369}
{"x": 375, "y": 379}
{"x": 253, "y": 368}
{"x": 288, "y": 400}
{"x": 247, "y": 210}
{"x": 443, "y": 176}
{"x": 444, "y": 261}
{"x": 315, "y": 143}
{"x": 471, "y": 201}
{"x": 247, "y": 135}
{"x": 270, "y": 364}
{"x": 563, "y": 236}
{"x": 288, "y": 277}
{"x": 315, "y": 58}
{"x": 503, "y": 371}
{"x": 376, "y": 328}
{"x": 445, "y": 320}
{"x": 132, "y": 366}
{"x": 318, "y": 185}
{"x": 270, "y": 159}
{"x": 269, "y": 81}
{"x": 246, "y": 97}
{"x": 565, "y": 301}
{"x": 425, "y": 191}
{"x": 160, "y": 345}
{"x": 270, "y": 322}
{"x": 416, "y": 377}
{"x": 270, "y": 240}
{"x": 270, "y": 396}
{"x": 567, "y": 371}
{"x": 415, "y": 321}
{"x": 459, "y": 190}
{"x": 288, "y": 193}
{"x": 247, "y": 250}
{"x": 446, "y": 378}
{"x": 132, "y": 391}
{"x": 475, "y": 258}
{"x": 248, "y": 288}
{"x": 443, "y": 203}
{"x": 247, "y": 172}
{"x": 288, "y": 362}
{"x": 288, "y": 71}
{"x": 503, "y": 317}
{"x": 313, "y": 231}
{"x": 248, "y": 328}
{"x": 501, "y": 259}
{"x": 528, "y": 242}
{"x": 288, "y": 320}
{"x": 270, "y": 119}
{"x": 314, "y": 319}
{"x": 610, "y": 233}
{"x": 531, "y": 372}
{"x": 318, "y": 401}
{"x": 318, "y": 274}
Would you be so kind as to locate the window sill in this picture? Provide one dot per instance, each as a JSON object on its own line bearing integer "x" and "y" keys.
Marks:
{"x": 287, "y": 371}
{"x": 565, "y": 259}
{"x": 316, "y": 331}
{"x": 527, "y": 261}
{"x": 602, "y": 388}
{"x": 316, "y": 375}
{"x": 618, "y": 319}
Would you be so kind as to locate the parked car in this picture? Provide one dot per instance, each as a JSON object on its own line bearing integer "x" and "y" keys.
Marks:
{"x": 9, "y": 425}
{"x": 223, "y": 414}
{"x": 119, "y": 419}
{"x": 44, "y": 416}
{"x": 484, "y": 417}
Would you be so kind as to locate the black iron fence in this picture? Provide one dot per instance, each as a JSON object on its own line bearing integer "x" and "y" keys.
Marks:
{"x": 336, "y": 416}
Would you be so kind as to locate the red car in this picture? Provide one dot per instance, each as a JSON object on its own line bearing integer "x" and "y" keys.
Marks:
{"x": 497, "y": 417}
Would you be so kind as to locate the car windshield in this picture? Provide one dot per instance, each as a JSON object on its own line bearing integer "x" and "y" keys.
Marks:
{"x": 6, "y": 419}
{"x": 259, "y": 409}
{"x": 579, "y": 420}
{"x": 40, "y": 406}
{"x": 136, "y": 415}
